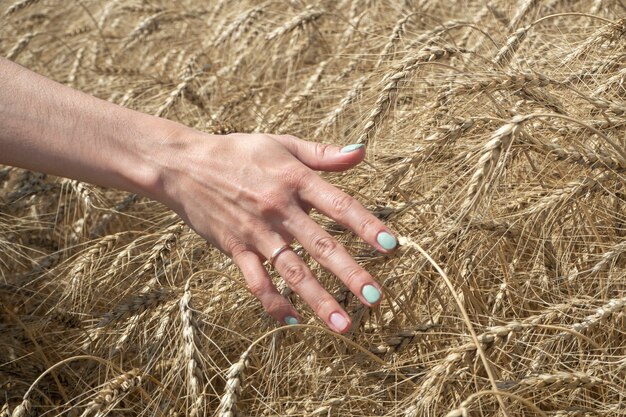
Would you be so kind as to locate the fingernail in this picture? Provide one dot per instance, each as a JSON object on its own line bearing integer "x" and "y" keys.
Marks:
{"x": 338, "y": 321}
{"x": 386, "y": 240}
{"x": 352, "y": 148}
{"x": 370, "y": 293}
{"x": 291, "y": 320}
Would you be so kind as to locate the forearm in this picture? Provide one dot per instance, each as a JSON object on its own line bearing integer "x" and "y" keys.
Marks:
{"x": 48, "y": 127}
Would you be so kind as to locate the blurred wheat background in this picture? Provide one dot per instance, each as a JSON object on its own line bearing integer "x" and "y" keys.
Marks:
{"x": 496, "y": 147}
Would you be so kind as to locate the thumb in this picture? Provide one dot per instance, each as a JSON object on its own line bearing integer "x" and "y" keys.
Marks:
{"x": 322, "y": 156}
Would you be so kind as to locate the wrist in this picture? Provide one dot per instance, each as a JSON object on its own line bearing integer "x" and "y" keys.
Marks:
{"x": 147, "y": 155}
{"x": 160, "y": 153}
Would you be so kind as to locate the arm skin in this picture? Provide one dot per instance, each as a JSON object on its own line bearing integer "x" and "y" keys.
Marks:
{"x": 247, "y": 194}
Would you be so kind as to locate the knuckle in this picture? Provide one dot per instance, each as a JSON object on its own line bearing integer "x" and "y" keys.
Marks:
{"x": 366, "y": 224}
{"x": 233, "y": 245}
{"x": 323, "y": 304}
{"x": 322, "y": 150}
{"x": 290, "y": 138}
{"x": 257, "y": 288}
{"x": 271, "y": 202}
{"x": 341, "y": 204}
{"x": 295, "y": 177}
{"x": 324, "y": 246}
{"x": 295, "y": 275}
{"x": 276, "y": 306}
{"x": 354, "y": 276}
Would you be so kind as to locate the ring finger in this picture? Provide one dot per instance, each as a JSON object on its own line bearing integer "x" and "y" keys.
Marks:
{"x": 300, "y": 279}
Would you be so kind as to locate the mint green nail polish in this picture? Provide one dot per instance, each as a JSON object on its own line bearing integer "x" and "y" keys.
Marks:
{"x": 291, "y": 320}
{"x": 352, "y": 148}
{"x": 386, "y": 240}
{"x": 370, "y": 293}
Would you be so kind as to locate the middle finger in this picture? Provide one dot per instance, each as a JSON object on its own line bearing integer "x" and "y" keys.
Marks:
{"x": 334, "y": 257}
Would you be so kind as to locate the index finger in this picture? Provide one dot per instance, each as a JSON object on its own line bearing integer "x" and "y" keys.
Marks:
{"x": 346, "y": 210}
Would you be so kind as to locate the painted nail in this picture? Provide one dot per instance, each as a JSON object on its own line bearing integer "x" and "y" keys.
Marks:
{"x": 291, "y": 320}
{"x": 370, "y": 293}
{"x": 352, "y": 148}
{"x": 386, "y": 240}
{"x": 338, "y": 321}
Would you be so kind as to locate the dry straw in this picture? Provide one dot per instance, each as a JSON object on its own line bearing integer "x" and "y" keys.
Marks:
{"x": 495, "y": 138}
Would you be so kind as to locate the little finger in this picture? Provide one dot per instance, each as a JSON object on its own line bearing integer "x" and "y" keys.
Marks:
{"x": 263, "y": 288}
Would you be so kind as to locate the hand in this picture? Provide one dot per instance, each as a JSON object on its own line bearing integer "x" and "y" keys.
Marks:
{"x": 249, "y": 194}
{"x": 246, "y": 194}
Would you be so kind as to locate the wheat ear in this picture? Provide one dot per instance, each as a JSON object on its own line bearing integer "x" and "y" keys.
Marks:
{"x": 506, "y": 53}
{"x": 332, "y": 117}
{"x": 71, "y": 79}
{"x": 561, "y": 379}
{"x": 20, "y": 46}
{"x": 392, "y": 81}
{"x": 299, "y": 99}
{"x": 147, "y": 26}
{"x": 243, "y": 20}
{"x": 615, "y": 83}
{"x": 522, "y": 11}
{"x": 234, "y": 382}
{"x": 192, "y": 358}
{"x": 135, "y": 305}
{"x": 395, "y": 36}
{"x": 23, "y": 409}
{"x": 179, "y": 91}
{"x": 310, "y": 14}
{"x": 587, "y": 157}
{"x": 606, "y": 34}
{"x": 571, "y": 190}
{"x": 112, "y": 390}
{"x": 609, "y": 257}
{"x": 489, "y": 158}
{"x": 602, "y": 314}
{"x": 19, "y": 5}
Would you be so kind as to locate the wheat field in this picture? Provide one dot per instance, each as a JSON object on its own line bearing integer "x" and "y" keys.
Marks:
{"x": 496, "y": 149}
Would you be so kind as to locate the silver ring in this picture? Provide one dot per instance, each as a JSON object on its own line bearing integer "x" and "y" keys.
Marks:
{"x": 277, "y": 252}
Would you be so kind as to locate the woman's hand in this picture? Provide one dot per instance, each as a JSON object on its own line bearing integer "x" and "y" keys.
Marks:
{"x": 250, "y": 194}
{"x": 247, "y": 194}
